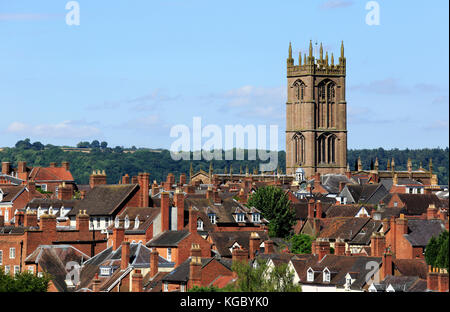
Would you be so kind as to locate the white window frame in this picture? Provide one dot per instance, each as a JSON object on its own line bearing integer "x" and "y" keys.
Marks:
{"x": 240, "y": 217}
{"x": 43, "y": 187}
{"x": 212, "y": 218}
{"x": 310, "y": 275}
{"x": 104, "y": 271}
{"x": 12, "y": 253}
{"x": 1, "y": 257}
{"x": 16, "y": 269}
{"x": 326, "y": 276}
{"x": 169, "y": 254}
{"x": 7, "y": 269}
{"x": 40, "y": 274}
{"x": 30, "y": 269}
{"x": 6, "y": 215}
{"x": 200, "y": 224}
{"x": 182, "y": 288}
{"x": 256, "y": 217}
{"x": 166, "y": 286}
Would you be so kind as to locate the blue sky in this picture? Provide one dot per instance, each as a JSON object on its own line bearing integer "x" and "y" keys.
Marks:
{"x": 133, "y": 69}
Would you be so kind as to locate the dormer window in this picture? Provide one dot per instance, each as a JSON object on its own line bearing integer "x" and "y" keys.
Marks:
{"x": 136, "y": 222}
{"x": 326, "y": 275}
{"x": 200, "y": 224}
{"x": 240, "y": 217}
{"x": 212, "y": 217}
{"x": 105, "y": 271}
{"x": 256, "y": 217}
{"x": 116, "y": 222}
{"x": 310, "y": 275}
{"x": 126, "y": 222}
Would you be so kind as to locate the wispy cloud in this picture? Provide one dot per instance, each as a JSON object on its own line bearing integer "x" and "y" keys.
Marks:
{"x": 438, "y": 125}
{"x": 68, "y": 129}
{"x": 388, "y": 86}
{"x": 440, "y": 99}
{"x": 336, "y": 4}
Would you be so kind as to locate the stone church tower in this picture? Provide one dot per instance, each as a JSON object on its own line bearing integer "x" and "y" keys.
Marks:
{"x": 316, "y": 114}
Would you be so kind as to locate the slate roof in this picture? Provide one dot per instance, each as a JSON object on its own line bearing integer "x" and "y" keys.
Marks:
{"x": 47, "y": 203}
{"x": 343, "y": 210}
{"x": 421, "y": 231}
{"x": 330, "y": 182}
{"x": 366, "y": 193}
{"x": 11, "y": 179}
{"x": 405, "y": 283}
{"x": 388, "y": 182}
{"x": 10, "y": 192}
{"x": 411, "y": 267}
{"x": 168, "y": 239}
{"x": 105, "y": 199}
{"x": 146, "y": 217}
{"x": 181, "y": 273}
{"x": 139, "y": 258}
{"x": 417, "y": 204}
{"x": 223, "y": 241}
{"x": 363, "y": 236}
{"x": 53, "y": 260}
{"x": 344, "y": 228}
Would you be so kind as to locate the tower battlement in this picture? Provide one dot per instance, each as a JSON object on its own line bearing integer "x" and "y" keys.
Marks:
{"x": 316, "y": 66}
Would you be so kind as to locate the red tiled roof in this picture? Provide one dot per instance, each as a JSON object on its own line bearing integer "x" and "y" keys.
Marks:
{"x": 50, "y": 174}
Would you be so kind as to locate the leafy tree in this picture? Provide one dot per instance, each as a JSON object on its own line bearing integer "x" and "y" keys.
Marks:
{"x": 23, "y": 282}
{"x": 95, "y": 144}
{"x": 261, "y": 278}
{"x": 84, "y": 144}
{"x": 436, "y": 251}
{"x": 103, "y": 145}
{"x": 38, "y": 146}
{"x": 275, "y": 206}
{"x": 23, "y": 144}
{"x": 301, "y": 243}
{"x": 118, "y": 149}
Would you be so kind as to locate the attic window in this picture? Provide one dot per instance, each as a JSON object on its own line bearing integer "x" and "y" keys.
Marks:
{"x": 212, "y": 217}
{"x": 127, "y": 222}
{"x": 239, "y": 217}
{"x": 105, "y": 271}
{"x": 310, "y": 275}
{"x": 136, "y": 222}
{"x": 256, "y": 217}
{"x": 116, "y": 222}
{"x": 200, "y": 225}
{"x": 326, "y": 275}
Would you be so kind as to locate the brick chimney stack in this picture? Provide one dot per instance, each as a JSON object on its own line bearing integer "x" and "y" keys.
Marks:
{"x": 179, "y": 203}
{"x": 6, "y": 167}
{"x": 22, "y": 170}
{"x": 64, "y": 192}
{"x": 195, "y": 274}
{"x": 154, "y": 258}
{"x": 216, "y": 197}
{"x": 82, "y": 225}
{"x": 239, "y": 255}
{"x": 137, "y": 284}
{"x": 431, "y": 212}
{"x": 126, "y": 179}
{"x": 319, "y": 209}
{"x": 323, "y": 249}
{"x": 386, "y": 268}
{"x": 66, "y": 165}
{"x": 155, "y": 188}
{"x": 182, "y": 179}
{"x": 52, "y": 165}
{"x": 311, "y": 209}
{"x": 144, "y": 181}
{"x": 268, "y": 247}
{"x": 117, "y": 237}
{"x": 2, "y": 221}
{"x": 209, "y": 193}
{"x": 125, "y": 259}
{"x": 18, "y": 218}
{"x": 193, "y": 216}
{"x": 339, "y": 247}
{"x": 443, "y": 280}
{"x": 255, "y": 241}
{"x": 48, "y": 227}
{"x": 30, "y": 219}
{"x": 165, "y": 215}
{"x": 377, "y": 244}
{"x": 432, "y": 279}
{"x": 97, "y": 178}
{"x": 96, "y": 283}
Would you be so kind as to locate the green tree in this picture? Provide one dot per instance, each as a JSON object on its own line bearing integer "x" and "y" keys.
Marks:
{"x": 104, "y": 144}
{"x": 275, "y": 206}
{"x": 436, "y": 251}
{"x": 23, "y": 282}
{"x": 261, "y": 278}
{"x": 301, "y": 243}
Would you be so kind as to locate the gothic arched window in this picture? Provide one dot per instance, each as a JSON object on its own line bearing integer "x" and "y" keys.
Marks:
{"x": 326, "y": 149}
{"x": 299, "y": 90}
{"x": 326, "y": 104}
{"x": 299, "y": 148}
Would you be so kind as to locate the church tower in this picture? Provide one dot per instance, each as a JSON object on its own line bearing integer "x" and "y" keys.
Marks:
{"x": 316, "y": 114}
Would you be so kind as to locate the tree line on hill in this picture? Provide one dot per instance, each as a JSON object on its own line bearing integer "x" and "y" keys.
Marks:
{"x": 116, "y": 162}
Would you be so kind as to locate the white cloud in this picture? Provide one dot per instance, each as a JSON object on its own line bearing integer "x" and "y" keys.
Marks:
{"x": 68, "y": 129}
